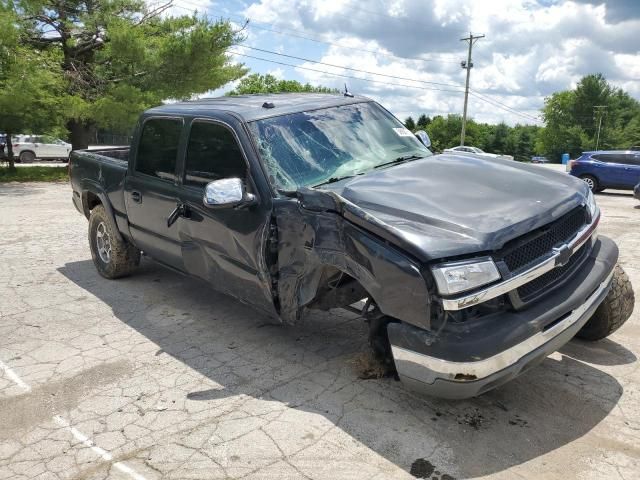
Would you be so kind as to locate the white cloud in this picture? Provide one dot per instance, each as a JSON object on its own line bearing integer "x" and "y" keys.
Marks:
{"x": 531, "y": 48}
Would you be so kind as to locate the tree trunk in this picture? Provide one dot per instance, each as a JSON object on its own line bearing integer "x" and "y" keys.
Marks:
{"x": 82, "y": 133}
{"x": 9, "y": 146}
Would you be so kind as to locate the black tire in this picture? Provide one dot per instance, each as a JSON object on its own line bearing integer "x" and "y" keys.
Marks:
{"x": 379, "y": 342}
{"x": 123, "y": 257}
{"x": 592, "y": 182}
{"x": 614, "y": 310}
{"x": 27, "y": 157}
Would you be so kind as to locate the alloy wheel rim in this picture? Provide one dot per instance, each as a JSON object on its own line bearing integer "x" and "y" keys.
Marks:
{"x": 103, "y": 243}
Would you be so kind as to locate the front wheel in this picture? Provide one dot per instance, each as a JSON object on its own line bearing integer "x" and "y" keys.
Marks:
{"x": 113, "y": 256}
{"x": 27, "y": 157}
{"x": 591, "y": 182}
{"x": 614, "y": 310}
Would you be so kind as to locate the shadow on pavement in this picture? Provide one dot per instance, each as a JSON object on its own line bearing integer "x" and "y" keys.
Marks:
{"x": 615, "y": 194}
{"x": 310, "y": 367}
{"x": 604, "y": 352}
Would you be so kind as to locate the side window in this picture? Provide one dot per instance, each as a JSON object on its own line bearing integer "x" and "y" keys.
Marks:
{"x": 604, "y": 157}
{"x": 212, "y": 154}
{"x": 158, "y": 148}
{"x": 629, "y": 159}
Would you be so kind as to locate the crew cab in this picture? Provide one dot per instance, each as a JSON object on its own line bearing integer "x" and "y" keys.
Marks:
{"x": 468, "y": 270}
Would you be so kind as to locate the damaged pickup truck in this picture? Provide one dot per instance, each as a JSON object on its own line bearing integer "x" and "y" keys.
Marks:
{"x": 473, "y": 269}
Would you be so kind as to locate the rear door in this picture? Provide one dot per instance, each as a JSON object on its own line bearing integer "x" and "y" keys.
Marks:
{"x": 151, "y": 189}
{"x": 632, "y": 170}
{"x": 224, "y": 246}
{"x": 610, "y": 171}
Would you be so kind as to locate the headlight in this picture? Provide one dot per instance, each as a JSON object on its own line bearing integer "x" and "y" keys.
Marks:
{"x": 591, "y": 204}
{"x": 466, "y": 275}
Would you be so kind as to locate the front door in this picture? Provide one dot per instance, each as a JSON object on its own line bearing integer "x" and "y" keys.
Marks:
{"x": 151, "y": 190}
{"x": 225, "y": 246}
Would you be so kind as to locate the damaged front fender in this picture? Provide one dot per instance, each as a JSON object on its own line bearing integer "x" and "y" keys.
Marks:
{"x": 314, "y": 239}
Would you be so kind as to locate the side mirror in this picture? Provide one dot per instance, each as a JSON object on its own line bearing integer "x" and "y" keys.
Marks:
{"x": 226, "y": 193}
{"x": 424, "y": 138}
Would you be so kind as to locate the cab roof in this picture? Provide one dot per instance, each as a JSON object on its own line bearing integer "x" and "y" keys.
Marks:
{"x": 254, "y": 107}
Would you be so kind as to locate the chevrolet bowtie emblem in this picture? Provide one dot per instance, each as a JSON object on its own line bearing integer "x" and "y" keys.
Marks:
{"x": 564, "y": 254}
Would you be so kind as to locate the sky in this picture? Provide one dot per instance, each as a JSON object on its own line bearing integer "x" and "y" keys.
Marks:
{"x": 406, "y": 54}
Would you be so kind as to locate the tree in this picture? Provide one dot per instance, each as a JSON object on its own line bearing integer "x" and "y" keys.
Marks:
{"x": 410, "y": 123}
{"x": 119, "y": 57}
{"x": 257, "y": 83}
{"x": 423, "y": 122}
{"x": 31, "y": 93}
{"x": 571, "y": 126}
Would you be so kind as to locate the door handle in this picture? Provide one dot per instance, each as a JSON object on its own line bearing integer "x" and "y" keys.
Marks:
{"x": 136, "y": 197}
{"x": 179, "y": 211}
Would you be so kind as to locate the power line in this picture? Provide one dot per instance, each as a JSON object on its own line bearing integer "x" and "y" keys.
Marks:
{"x": 305, "y": 36}
{"x": 350, "y": 68}
{"x": 503, "y": 106}
{"x": 341, "y": 75}
{"x": 490, "y": 101}
{"x": 405, "y": 20}
{"x": 528, "y": 117}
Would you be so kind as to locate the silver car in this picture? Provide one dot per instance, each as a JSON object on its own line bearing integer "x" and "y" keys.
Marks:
{"x": 464, "y": 149}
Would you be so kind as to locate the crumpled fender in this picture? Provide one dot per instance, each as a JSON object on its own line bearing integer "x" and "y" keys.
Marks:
{"x": 313, "y": 234}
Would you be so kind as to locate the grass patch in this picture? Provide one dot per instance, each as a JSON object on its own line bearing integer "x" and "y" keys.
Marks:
{"x": 33, "y": 174}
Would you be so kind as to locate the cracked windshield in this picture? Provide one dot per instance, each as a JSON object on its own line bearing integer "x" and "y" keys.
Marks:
{"x": 330, "y": 144}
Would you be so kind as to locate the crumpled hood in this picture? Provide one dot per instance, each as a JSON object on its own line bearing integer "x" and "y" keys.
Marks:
{"x": 449, "y": 205}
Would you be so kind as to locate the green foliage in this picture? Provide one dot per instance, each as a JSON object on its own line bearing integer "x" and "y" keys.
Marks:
{"x": 572, "y": 122}
{"x": 423, "y": 122}
{"x": 31, "y": 91}
{"x": 410, "y": 123}
{"x": 257, "y": 83}
{"x": 119, "y": 57}
{"x": 34, "y": 174}
{"x": 518, "y": 141}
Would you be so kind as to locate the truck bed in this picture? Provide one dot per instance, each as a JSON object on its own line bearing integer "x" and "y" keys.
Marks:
{"x": 105, "y": 170}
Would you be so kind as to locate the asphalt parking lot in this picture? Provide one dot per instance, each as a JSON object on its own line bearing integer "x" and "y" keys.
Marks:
{"x": 156, "y": 376}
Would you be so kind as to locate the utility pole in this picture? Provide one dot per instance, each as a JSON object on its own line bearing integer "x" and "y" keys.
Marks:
{"x": 598, "y": 112}
{"x": 471, "y": 39}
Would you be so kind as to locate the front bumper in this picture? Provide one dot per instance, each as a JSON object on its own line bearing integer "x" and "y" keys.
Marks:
{"x": 468, "y": 359}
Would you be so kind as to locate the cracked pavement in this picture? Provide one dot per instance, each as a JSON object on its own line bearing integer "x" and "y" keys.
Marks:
{"x": 157, "y": 376}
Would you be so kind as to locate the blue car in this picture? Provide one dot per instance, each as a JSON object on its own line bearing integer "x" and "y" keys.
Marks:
{"x": 607, "y": 169}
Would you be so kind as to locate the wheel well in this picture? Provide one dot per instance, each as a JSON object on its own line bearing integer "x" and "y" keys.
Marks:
{"x": 337, "y": 289}
{"x": 91, "y": 201}
{"x": 27, "y": 151}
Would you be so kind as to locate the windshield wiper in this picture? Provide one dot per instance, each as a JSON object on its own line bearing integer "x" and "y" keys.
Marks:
{"x": 334, "y": 180}
{"x": 404, "y": 158}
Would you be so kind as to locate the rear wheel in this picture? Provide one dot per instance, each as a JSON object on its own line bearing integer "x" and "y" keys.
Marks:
{"x": 27, "y": 157}
{"x": 113, "y": 256}
{"x": 614, "y": 310}
{"x": 591, "y": 182}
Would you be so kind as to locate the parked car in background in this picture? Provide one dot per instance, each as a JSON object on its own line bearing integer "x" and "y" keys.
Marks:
{"x": 465, "y": 149}
{"x": 607, "y": 169}
{"x": 27, "y": 148}
{"x": 539, "y": 160}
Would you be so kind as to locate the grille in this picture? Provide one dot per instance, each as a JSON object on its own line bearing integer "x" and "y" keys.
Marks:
{"x": 554, "y": 234}
{"x": 545, "y": 282}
